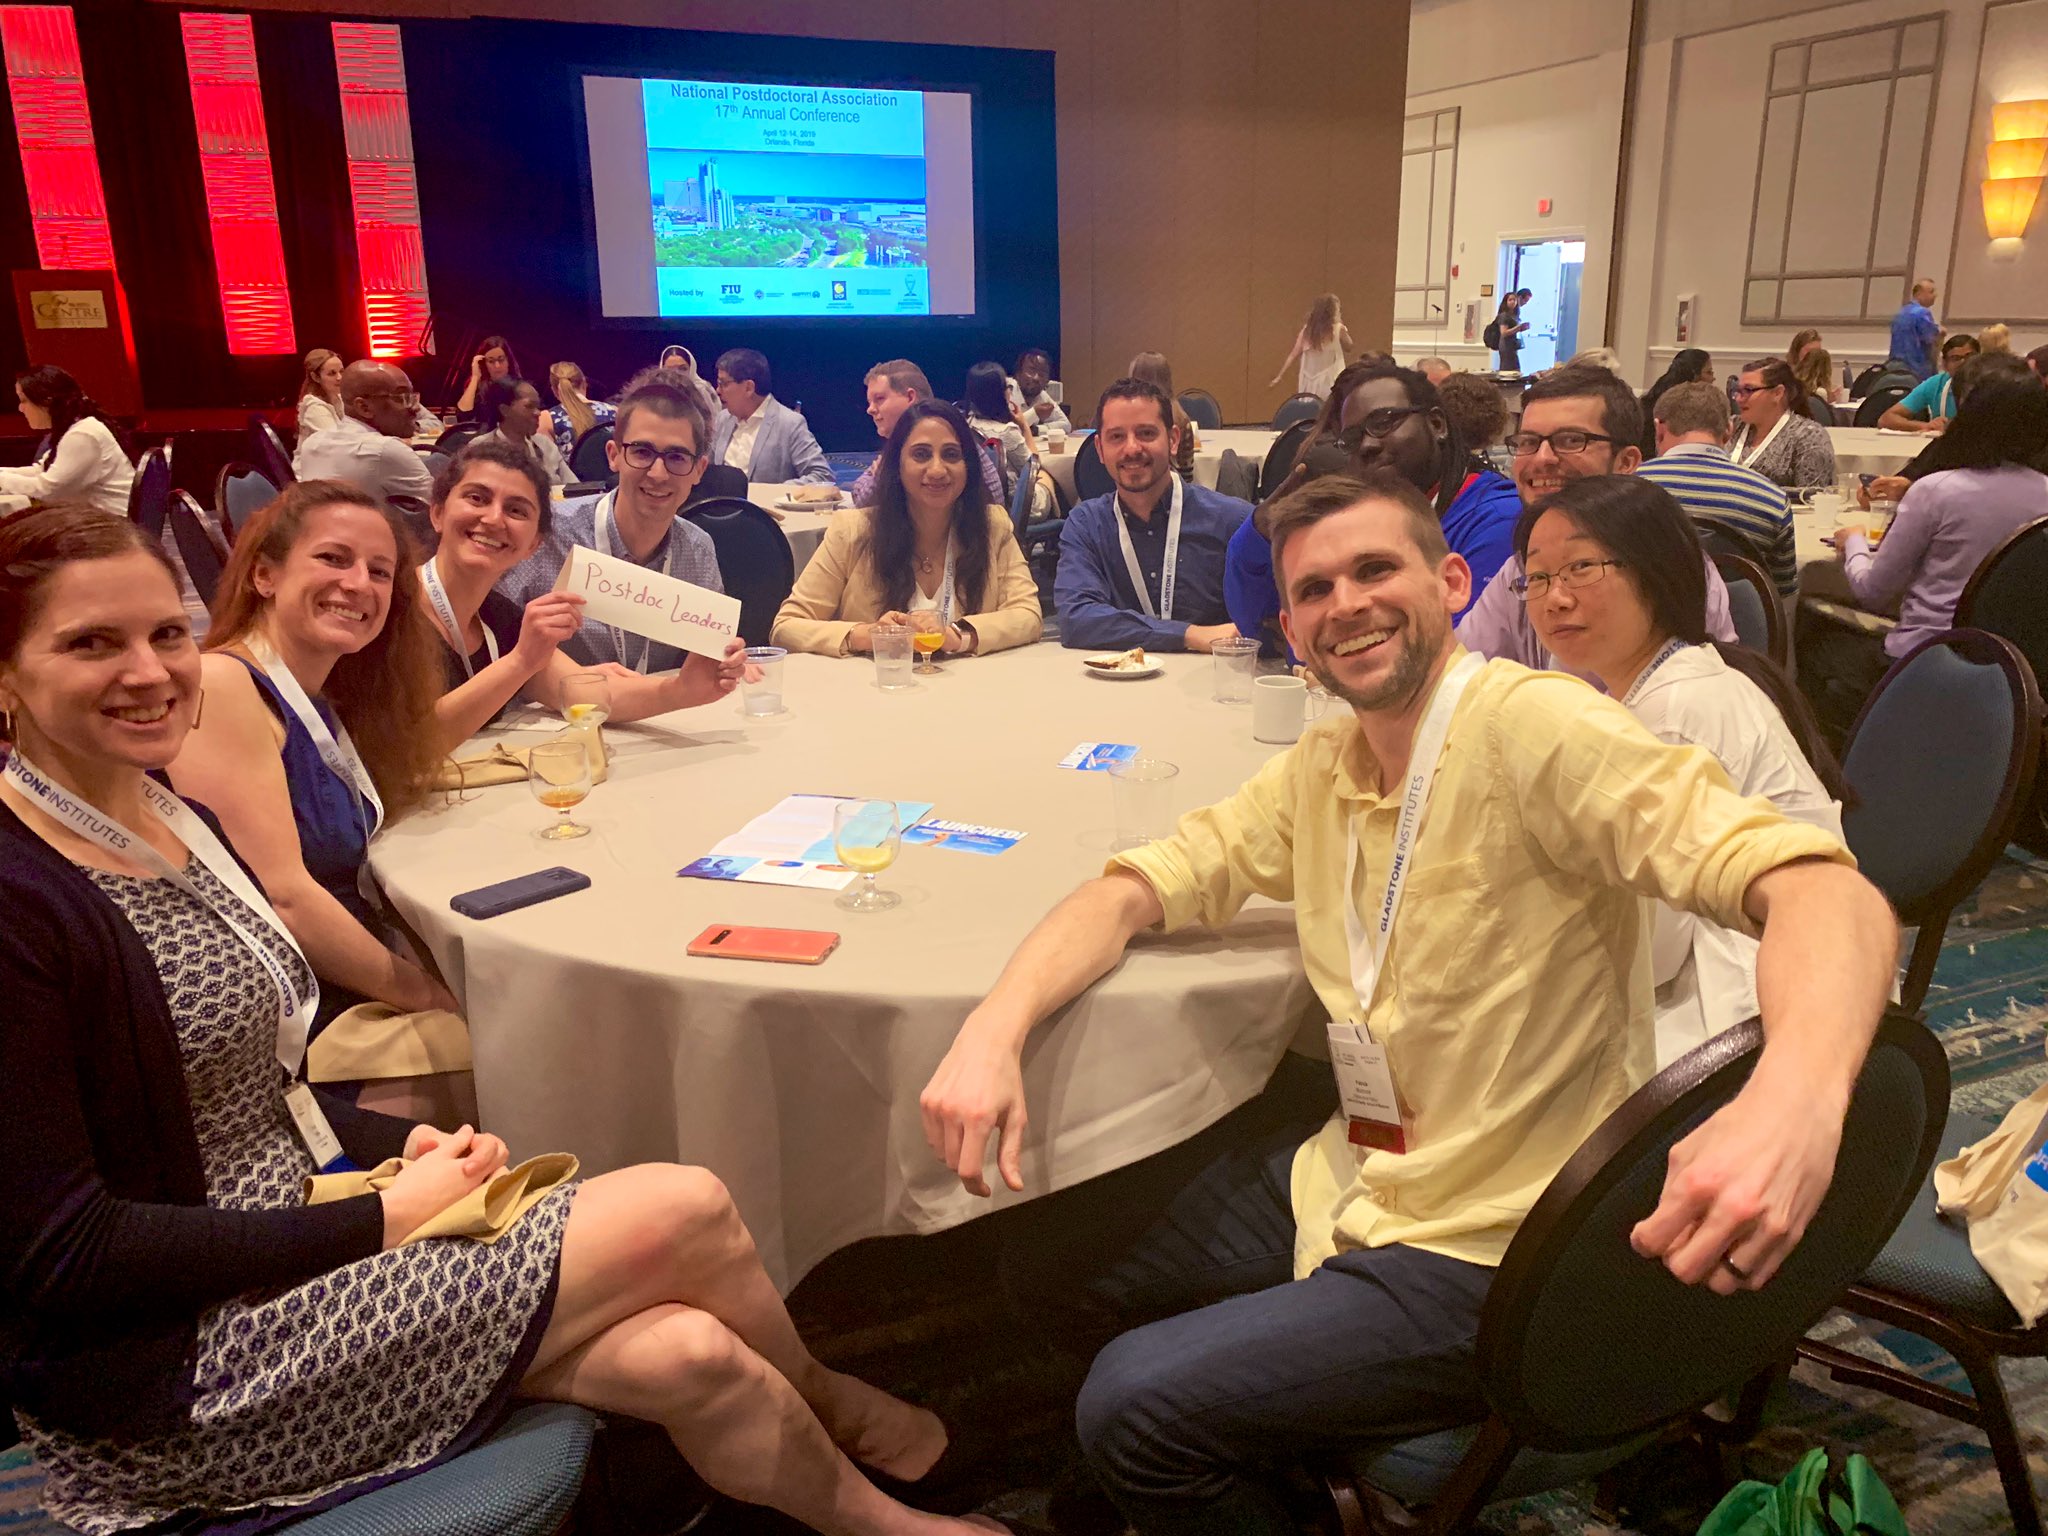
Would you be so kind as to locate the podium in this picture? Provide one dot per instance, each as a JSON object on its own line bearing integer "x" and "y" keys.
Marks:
{"x": 79, "y": 321}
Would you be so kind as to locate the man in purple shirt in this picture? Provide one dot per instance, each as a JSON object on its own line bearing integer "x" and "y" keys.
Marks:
{"x": 1576, "y": 422}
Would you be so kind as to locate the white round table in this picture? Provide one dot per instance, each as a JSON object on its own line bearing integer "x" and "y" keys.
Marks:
{"x": 1874, "y": 450}
{"x": 596, "y": 1034}
{"x": 805, "y": 530}
{"x": 1248, "y": 442}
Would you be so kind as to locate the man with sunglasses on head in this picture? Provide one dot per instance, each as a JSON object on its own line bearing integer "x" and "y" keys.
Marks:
{"x": 1577, "y": 422}
{"x": 367, "y": 448}
{"x": 657, "y": 451}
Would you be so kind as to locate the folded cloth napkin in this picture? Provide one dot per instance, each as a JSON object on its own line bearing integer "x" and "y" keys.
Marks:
{"x": 486, "y": 1213}
{"x": 495, "y": 764}
{"x": 374, "y": 1040}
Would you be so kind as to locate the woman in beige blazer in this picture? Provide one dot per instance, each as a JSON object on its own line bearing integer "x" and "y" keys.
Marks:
{"x": 931, "y": 543}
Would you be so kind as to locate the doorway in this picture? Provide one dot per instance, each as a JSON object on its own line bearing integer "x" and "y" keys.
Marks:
{"x": 1551, "y": 270}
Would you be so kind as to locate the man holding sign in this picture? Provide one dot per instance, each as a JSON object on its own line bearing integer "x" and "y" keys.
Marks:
{"x": 1319, "y": 1284}
{"x": 657, "y": 451}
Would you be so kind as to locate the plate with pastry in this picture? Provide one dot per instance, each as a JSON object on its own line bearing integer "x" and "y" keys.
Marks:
{"x": 810, "y": 498}
{"x": 1125, "y": 667}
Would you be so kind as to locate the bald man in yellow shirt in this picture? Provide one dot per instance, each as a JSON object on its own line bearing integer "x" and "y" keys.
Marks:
{"x": 1467, "y": 852}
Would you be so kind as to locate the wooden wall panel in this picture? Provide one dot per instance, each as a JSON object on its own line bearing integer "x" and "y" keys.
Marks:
{"x": 1221, "y": 162}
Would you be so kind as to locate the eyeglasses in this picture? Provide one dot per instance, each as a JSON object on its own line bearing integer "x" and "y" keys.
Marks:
{"x": 1574, "y": 574}
{"x": 679, "y": 461}
{"x": 1744, "y": 391}
{"x": 398, "y": 396}
{"x": 1564, "y": 443}
{"x": 1379, "y": 423}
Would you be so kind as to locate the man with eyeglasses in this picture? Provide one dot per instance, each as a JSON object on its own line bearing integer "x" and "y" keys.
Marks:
{"x": 367, "y": 448}
{"x": 1576, "y": 423}
{"x": 657, "y": 451}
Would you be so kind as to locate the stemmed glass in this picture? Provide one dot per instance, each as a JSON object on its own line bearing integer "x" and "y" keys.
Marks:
{"x": 586, "y": 705}
{"x": 866, "y": 835}
{"x": 558, "y": 773}
{"x": 928, "y": 635}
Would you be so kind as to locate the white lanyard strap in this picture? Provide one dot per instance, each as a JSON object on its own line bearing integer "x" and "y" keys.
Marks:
{"x": 1635, "y": 689}
{"x": 430, "y": 578}
{"x": 943, "y": 598}
{"x": 1369, "y": 945}
{"x": 334, "y": 746}
{"x": 1769, "y": 437}
{"x": 604, "y": 547}
{"x": 295, "y": 1010}
{"x": 1166, "y": 571}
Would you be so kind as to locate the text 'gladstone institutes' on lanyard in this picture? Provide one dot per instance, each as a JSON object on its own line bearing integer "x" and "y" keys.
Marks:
{"x": 1166, "y": 571}
{"x": 334, "y": 747}
{"x": 430, "y": 578}
{"x": 604, "y": 547}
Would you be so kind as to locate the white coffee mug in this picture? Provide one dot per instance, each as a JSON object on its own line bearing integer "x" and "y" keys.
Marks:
{"x": 1280, "y": 707}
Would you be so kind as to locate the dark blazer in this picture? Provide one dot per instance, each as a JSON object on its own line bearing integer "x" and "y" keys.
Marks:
{"x": 108, "y": 1250}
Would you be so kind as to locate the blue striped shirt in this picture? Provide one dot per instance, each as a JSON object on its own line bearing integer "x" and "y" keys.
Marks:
{"x": 1714, "y": 489}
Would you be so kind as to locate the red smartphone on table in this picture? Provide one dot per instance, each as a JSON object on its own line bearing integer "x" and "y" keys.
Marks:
{"x": 785, "y": 946}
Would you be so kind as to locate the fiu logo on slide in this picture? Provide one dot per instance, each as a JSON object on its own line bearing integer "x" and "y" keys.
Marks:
{"x": 729, "y": 293}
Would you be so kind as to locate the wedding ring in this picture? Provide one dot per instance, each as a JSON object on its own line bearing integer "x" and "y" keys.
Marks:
{"x": 1733, "y": 1268}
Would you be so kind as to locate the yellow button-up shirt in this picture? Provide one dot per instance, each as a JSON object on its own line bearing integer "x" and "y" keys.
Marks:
{"x": 1515, "y": 1004}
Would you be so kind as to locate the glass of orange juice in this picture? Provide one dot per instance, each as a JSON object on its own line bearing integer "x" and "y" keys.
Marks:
{"x": 928, "y": 635}
{"x": 866, "y": 835}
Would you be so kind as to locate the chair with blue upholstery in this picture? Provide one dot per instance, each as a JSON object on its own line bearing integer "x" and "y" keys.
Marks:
{"x": 1040, "y": 540}
{"x": 149, "y": 495}
{"x": 1941, "y": 759}
{"x": 1753, "y": 606}
{"x": 267, "y": 452}
{"x": 587, "y": 459}
{"x": 2003, "y": 598}
{"x": 1588, "y": 1352}
{"x": 1297, "y": 408}
{"x": 1091, "y": 475}
{"x": 203, "y": 550}
{"x": 239, "y": 494}
{"x": 1202, "y": 409}
{"x": 521, "y": 1481}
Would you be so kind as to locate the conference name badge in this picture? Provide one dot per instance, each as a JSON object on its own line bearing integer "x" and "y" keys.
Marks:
{"x": 651, "y": 604}
{"x": 1365, "y": 1085}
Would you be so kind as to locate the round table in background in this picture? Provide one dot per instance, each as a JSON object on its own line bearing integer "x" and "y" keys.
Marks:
{"x": 596, "y": 1033}
{"x": 804, "y": 529}
{"x": 1874, "y": 450}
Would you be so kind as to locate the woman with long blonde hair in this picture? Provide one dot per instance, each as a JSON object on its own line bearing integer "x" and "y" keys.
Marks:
{"x": 1321, "y": 345}
{"x": 575, "y": 413}
{"x": 320, "y": 392}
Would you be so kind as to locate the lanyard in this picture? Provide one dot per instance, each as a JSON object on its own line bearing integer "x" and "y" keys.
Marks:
{"x": 334, "y": 747}
{"x": 295, "y": 1010}
{"x": 1769, "y": 437}
{"x": 1369, "y": 946}
{"x": 1635, "y": 689}
{"x": 1166, "y": 572}
{"x": 430, "y": 578}
{"x": 943, "y": 599}
{"x": 604, "y": 547}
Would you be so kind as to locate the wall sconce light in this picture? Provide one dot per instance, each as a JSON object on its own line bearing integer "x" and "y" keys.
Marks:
{"x": 2015, "y": 159}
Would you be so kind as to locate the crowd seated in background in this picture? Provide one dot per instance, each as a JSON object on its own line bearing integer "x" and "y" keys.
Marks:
{"x": 1434, "y": 369}
{"x": 1351, "y": 1264}
{"x": 1006, "y": 431}
{"x": 1815, "y": 372}
{"x": 509, "y": 411}
{"x": 1777, "y": 438}
{"x": 1576, "y": 423}
{"x": 1028, "y": 390}
{"x": 1616, "y": 592}
{"x": 892, "y": 388}
{"x": 1692, "y": 463}
{"x": 1473, "y": 405}
{"x": 1692, "y": 365}
{"x": 1143, "y": 565}
{"x": 1930, "y": 405}
{"x": 368, "y": 448}
{"x": 320, "y": 393}
{"x": 574, "y": 413}
{"x": 494, "y": 360}
{"x": 82, "y": 458}
{"x": 1154, "y": 369}
{"x": 931, "y": 549}
{"x": 657, "y": 451}
{"x": 684, "y": 361}
{"x": 756, "y": 433}
{"x": 1946, "y": 524}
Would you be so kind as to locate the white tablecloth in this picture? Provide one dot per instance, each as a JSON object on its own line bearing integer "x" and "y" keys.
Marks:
{"x": 1249, "y": 442}
{"x": 595, "y": 1033}
{"x": 1873, "y": 450}
{"x": 804, "y": 530}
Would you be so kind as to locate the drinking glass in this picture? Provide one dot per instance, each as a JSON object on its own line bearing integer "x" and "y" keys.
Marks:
{"x": 1143, "y": 791}
{"x": 866, "y": 835}
{"x": 761, "y": 688}
{"x": 586, "y": 705}
{"x": 927, "y": 635}
{"x": 1237, "y": 663}
{"x": 558, "y": 773}
{"x": 892, "y": 657}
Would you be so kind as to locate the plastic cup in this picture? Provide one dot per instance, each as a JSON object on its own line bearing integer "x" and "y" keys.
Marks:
{"x": 892, "y": 658}
{"x": 1237, "y": 664}
{"x": 761, "y": 687}
{"x": 1143, "y": 791}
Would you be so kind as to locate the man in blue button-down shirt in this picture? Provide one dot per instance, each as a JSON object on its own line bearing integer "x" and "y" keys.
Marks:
{"x": 1117, "y": 552}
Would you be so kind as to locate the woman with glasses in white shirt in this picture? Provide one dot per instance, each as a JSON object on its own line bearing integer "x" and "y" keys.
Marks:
{"x": 1615, "y": 588}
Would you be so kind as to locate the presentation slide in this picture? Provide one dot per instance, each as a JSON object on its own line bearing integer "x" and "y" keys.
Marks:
{"x": 725, "y": 198}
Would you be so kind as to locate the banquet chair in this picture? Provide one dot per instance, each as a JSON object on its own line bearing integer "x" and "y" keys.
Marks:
{"x": 587, "y": 459}
{"x": 720, "y": 481}
{"x": 203, "y": 550}
{"x": 1297, "y": 408}
{"x": 755, "y": 562}
{"x": 1940, "y": 760}
{"x": 520, "y": 1481}
{"x": 1091, "y": 475}
{"x": 1877, "y": 402}
{"x": 1040, "y": 540}
{"x": 1818, "y": 408}
{"x": 2003, "y": 598}
{"x": 1753, "y": 605}
{"x": 456, "y": 438}
{"x": 1281, "y": 455}
{"x": 1720, "y": 539}
{"x": 1202, "y": 409}
{"x": 239, "y": 494}
{"x": 267, "y": 452}
{"x": 149, "y": 496}
{"x": 1588, "y": 1352}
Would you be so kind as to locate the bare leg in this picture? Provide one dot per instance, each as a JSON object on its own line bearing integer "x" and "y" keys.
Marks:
{"x": 657, "y": 1234}
{"x": 735, "y": 1418}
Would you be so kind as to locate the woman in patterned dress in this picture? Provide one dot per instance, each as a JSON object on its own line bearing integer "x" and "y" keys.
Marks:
{"x": 184, "y": 1339}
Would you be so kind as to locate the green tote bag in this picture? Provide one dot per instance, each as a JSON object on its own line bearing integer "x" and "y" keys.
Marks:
{"x": 1815, "y": 1499}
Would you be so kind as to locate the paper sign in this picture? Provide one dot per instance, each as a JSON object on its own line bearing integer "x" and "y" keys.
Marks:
{"x": 667, "y": 611}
